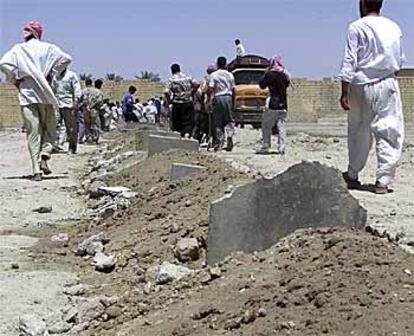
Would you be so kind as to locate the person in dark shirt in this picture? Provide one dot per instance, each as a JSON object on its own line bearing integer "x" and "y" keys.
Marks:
{"x": 128, "y": 105}
{"x": 277, "y": 79}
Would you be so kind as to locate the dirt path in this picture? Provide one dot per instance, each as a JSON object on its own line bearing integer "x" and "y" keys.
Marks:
{"x": 393, "y": 213}
{"x": 24, "y": 287}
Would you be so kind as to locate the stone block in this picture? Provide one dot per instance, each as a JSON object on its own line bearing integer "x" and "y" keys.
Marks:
{"x": 257, "y": 215}
{"x": 158, "y": 144}
{"x": 142, "y": 134}
{"x": 180, "y": 170}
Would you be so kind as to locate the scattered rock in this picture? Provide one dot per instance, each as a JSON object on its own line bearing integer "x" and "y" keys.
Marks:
{"x": 104, "y": 263}
{"x": 233, "y": 324}
{"x": 108, "y": 301}
{"x": 287, "y": 325}
{"x": 60, "y": 327}
{"x": 229, "y": 189}
{"x": 187, "y": 250}
{"x": 76, "y": 290}
{"x": 204, "y": 312}
{"x": 70, "y": 315}
{"x": 88, "y": 244}
{"x": 61, "y": 239}
{"x": 31, "y": 325}
{"x": 15, "y": 266}
{"x": 93, "y": 248}
{"x": 80, "y": 327}
{"x": 43, "y": 209}
{"x": 262, "y": 312}
{"x": 215, "y": 272}
{"x": 90, "y": 309}
{"x": 113, "y": 312}
{"x": 94, "y": 189}
{"x": 115, "y": 191}
{"x": 167, "y": 273}
{"x": 249, "y": 316}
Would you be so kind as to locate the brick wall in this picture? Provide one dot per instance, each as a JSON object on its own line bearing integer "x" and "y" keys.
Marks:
{"x": 9, "y": 105}
{"x": 312, "y": 100}
{"x": 309, "y": 101}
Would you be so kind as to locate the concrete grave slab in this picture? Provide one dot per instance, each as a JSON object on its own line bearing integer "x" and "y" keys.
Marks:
{"x": 180, "y": 170}
{"x": 158, "y": 144}
{"x": 255, "y": 216}
{"x": 141, "y": 136}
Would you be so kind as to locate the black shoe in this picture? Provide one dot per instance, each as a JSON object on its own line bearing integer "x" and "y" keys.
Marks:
{"x": 230, "y": 145}
{"x": 352, "y": 184}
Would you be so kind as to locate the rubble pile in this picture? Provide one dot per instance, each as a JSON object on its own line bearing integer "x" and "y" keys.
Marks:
{"x": 143, "y": 269}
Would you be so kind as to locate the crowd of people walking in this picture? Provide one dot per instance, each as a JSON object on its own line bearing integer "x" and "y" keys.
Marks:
{"x": 55, "y": 108}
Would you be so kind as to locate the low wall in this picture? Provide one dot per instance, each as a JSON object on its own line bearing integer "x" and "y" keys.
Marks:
{"x": 10, "y": 110}
{"x": 309, "y": 101}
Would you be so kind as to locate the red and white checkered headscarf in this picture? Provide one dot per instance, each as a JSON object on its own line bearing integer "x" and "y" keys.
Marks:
{"x": 33, "y": 28}
{"x": 276, "y": 63}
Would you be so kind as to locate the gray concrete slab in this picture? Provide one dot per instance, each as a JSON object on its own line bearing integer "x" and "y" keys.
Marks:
{"x": 158, "y": 144}
{"x": 255, "y": 216}
{"x": 180, "y": 170}
{"x": 141, "y": 136}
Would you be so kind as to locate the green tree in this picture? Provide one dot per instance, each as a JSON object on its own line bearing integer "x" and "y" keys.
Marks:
{"x": 113, "y": 77}
{"x": 84, "y": 76}
{"x": 149, "y": 76}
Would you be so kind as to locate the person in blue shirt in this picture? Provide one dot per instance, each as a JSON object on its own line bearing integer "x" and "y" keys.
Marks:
{"x": 128, "y": 105}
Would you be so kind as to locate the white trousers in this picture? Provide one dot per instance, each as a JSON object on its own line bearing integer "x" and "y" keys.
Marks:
{"x": 376, "y": 113}
{"x": 269, "y": 119}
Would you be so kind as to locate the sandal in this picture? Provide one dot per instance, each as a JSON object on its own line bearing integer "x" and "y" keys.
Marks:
{"x": 352, "y": 184}
{"x": 44, "y": 167}
{"x": 380, "y": 189}
{"x": 37, "y": 177}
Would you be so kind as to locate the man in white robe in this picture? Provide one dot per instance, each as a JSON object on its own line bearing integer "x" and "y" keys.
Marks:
{"x": 371, "y": 94}
{"x": 31, "y": 66}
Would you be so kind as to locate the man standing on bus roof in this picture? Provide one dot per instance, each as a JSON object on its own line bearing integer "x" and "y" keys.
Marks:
{"x": 240, "y": 50}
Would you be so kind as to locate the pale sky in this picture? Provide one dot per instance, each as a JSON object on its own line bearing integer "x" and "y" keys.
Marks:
{"x": 126, "y": 37}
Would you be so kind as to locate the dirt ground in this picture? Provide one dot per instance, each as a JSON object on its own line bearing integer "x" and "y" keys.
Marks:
{"x": 25, "y": 287}
{"x": 333, "y": 282}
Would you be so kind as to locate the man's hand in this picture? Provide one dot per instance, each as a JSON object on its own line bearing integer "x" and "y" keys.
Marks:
{"x": 345, "y": 102}
{"x": 17, "y": 83}
{"x": 344, "y": 97}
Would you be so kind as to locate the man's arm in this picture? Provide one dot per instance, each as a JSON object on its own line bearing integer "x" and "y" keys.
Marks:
{"x": 195, "y": 85}
{"x": 62, "y": 62}
{"x": 130, "y": 101}
{"x": 77, "y": 91}
{"x": 167, "y": 92}
{"x": 210, "y": 90}
{"x": 403, "y": 58}
{"x": 344, "y": 96}
{"x": 349, "y": 66}
{"x": 263, "y": 82}
{"x": 8, "y": 65}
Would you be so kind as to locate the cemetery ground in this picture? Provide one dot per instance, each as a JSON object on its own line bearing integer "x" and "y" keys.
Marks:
{"x": 132, "y": 260}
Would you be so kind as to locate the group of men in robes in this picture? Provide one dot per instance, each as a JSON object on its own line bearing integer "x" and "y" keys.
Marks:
{"x": 149, "y": 112}
{"x": 370, "y": 95}
{"x": 50, "y": 97}
{"x": 205, "y": 109}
